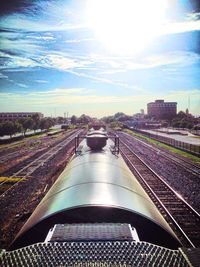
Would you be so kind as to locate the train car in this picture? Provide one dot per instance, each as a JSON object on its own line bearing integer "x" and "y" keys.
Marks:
{"x": 96, "y": 139}
{"x": 97, "y": 187}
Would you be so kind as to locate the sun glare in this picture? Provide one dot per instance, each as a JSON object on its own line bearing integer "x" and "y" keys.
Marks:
{"x": 126, "y": 26}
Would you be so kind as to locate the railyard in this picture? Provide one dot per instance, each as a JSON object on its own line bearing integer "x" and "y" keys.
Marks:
{"x": 168, "y": 179}
{"x": 30, "y": 167}
{"x": 26, "y": 175}
{"x": 169, "y": 189}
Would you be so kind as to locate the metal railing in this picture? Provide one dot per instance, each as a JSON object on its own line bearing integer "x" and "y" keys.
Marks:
{"x": 191, "y": 148}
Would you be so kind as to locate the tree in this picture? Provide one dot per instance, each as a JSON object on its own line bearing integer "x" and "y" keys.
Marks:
{"x": 176, "y": 123}
{"x": 181, "y": 115}
{"x": 84, "y": 119}
{"x": 46, "y": 123}
{"x": 118, "y": 115}
{"x": 2, "y": 129}
{"x": 124, "y": 118}
{"x": 9, "y": 128}
{"x": 43, "y": 124}
{"x": 189, "y": 125}
{"x": 60, "y": 120}
{"x": 109, "y": 119}
{"x": 36, "y": 121}
{"x": 73, "y": 119}
{"x": 27, "y": 123}
{"x": 183, "y": 123}
{"x": 18, "y": 127}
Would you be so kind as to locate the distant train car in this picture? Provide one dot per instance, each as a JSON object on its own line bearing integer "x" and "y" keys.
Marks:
{"x": 64, "y": 126}
{"x": 97, "y": 187}
{"x": 96, "y": 139}
{"x": 97, "y": 125}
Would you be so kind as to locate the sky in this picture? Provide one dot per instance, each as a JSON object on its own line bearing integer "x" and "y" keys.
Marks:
{"x": 98, "y": 57}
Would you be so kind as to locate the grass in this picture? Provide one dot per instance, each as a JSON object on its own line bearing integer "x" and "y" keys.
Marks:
{"x": 196, "y": 159}
{"x": 53, "y": 130}
{"x": 21, "y": 142}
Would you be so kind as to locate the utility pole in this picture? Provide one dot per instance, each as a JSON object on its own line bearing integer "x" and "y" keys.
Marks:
{"x": 188, "y": 103}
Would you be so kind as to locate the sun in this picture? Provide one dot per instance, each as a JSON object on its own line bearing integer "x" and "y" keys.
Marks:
{"x": 126, "y": 26}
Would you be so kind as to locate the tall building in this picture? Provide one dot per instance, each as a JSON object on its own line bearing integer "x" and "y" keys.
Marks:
{"x": 142, "y": 111}
{"x": 162, "y": 110}
{"x": 12, "y": 116}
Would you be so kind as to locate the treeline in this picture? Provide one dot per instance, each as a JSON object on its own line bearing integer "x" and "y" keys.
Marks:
{"x": 117, "y": 117}
{"x": 181, "y": 120}
{"x": 83, "y": 119}
{"x": 185, "y": 120}
{"x": 22, "y": 125}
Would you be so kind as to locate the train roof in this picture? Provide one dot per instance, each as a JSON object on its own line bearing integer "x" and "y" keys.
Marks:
{"x": 97, "y": 186}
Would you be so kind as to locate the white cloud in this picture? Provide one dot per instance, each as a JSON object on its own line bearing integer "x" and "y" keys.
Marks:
{"x": 14, "y": 61}
{"x": 41, "y": 81}
{"x": 75, "y": 100}
{"x": 67, "y": 95}
{"x": 193, "y": 16}
{"x": 19, "y": 45}
{"x": 42, "y": 38}
{"x": 22, "y": 85}
{"x": 61, "y": 62}
{"x": 23, "y": 22}
{"x": 176, "y": 58}
{"x": 72, "y": 41}
{"x": 58, "y": 61}
{"x": 173, "y": 58}
{"x": 57, "y": 92}
{"x": 2, "y": 76}
{"x": 106, "y": 81}
{"x": 179, "y": 27}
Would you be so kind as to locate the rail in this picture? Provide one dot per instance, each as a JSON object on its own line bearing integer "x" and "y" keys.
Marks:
{"x": 31, "y": 167}
{"x": 187, "y": 165}
{"x": 184, "y": 219}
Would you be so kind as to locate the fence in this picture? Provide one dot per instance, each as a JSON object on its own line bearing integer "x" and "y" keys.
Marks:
{"x": 194, "y": 149}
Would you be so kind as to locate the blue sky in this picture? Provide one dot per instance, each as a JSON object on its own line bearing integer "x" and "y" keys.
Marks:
{"x": 66, "y": 56}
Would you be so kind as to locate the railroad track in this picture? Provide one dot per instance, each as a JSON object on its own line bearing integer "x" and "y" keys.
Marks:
{"x": 32, "y": 165}
{"x": 9, "y": 156}
{"x": 183, "y": 219}
{"x": 187, "y": 165}
{"x": 24, "y": 148}
{"x": 32, "y": 155}
{"x": 13, "y": 155}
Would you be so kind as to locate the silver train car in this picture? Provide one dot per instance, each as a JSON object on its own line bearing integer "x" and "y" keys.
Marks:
{"x": 97, "y": 187}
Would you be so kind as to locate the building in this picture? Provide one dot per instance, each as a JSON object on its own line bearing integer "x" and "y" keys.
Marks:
{"x": 12, "y": 116}
{"x": 162, "y": 110}
{"x": 138, "y": 116}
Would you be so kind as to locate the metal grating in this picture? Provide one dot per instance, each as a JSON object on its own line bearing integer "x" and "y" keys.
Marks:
{"x": 91, "y": 232}
{"x": 93, "y": 254}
